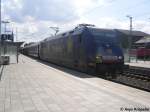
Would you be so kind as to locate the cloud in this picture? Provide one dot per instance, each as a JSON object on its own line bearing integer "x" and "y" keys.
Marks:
{"x": 34, "y": 17}
{"x": 33, "y": 31}
{"x": 46, "y": 10}
{"x": 84, "y": 7}
{"x": 142, "y": 25}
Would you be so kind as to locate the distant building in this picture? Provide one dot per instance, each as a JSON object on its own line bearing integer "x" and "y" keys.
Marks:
{"x": 144, "y": 42}
{"x": 9, "y": 48}
{"x": 124, "y": 35}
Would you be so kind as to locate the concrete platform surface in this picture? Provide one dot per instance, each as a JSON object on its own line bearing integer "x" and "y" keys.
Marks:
{"x": 32, "y": 86}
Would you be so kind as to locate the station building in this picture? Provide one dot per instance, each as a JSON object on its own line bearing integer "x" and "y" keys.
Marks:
{"x": 124, "y": 37}
{"x": 144, "y": 42}
{"x": 8, "y": 49}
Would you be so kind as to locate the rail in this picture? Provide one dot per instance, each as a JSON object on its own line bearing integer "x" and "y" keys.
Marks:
{"x": 135, "y": 76}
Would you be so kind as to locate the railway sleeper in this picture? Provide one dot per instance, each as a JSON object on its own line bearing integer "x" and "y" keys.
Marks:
{"x": 123, "y": 79}
{"x": 138, "y": 76}
{"x": 146, "y": 85}
{"x": 135, "y": 80}
{"x": 129, "y": 80}
{"x": 139, "y": 83}
{"x": 141, "y": 71}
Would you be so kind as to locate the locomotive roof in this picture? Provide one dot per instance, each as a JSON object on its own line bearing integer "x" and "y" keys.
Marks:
{"x": 72, "y": 32}
{"x": 101, "y": 30}
{"x": 79, "y": 31}
{"x": 95, "y": 30}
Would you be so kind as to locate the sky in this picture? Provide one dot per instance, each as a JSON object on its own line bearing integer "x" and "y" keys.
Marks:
{"x": 32, "y": 19}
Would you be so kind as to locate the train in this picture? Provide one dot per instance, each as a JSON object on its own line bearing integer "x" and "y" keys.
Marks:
{"x": 141, "y": 53}
{"x": 141, "y": 48}
{"x": 85, "y": 48}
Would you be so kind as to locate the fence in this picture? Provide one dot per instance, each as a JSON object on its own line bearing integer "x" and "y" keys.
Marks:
{"x": 135, "y": 55}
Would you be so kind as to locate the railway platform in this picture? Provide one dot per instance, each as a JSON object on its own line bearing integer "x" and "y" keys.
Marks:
{"x": 142, "y": 64}
{"x": 36, "y": 86}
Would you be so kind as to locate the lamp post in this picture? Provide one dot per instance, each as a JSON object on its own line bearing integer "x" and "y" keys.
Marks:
{"x": 5, "y": 27}
{"x": 130, "y": 37}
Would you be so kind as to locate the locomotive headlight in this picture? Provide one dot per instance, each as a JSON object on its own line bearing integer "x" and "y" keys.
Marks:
{"x": 98, "y": 59}
{"x": 119, "y": 57}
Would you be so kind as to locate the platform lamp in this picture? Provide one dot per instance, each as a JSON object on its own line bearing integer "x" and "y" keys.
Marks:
{"x": 130, "y": 37}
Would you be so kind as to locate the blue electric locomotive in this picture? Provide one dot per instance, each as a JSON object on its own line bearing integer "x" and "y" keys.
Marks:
{"x": 84, "y": 48}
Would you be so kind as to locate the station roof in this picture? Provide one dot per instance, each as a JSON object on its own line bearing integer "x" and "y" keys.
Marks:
{"x": 134, "y": 32}
{"x": 13, "y": 43}
{"x": 144, "y": 40}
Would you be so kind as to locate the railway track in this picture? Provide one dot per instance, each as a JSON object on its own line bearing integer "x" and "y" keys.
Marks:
{"x": 136, "y": 77}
